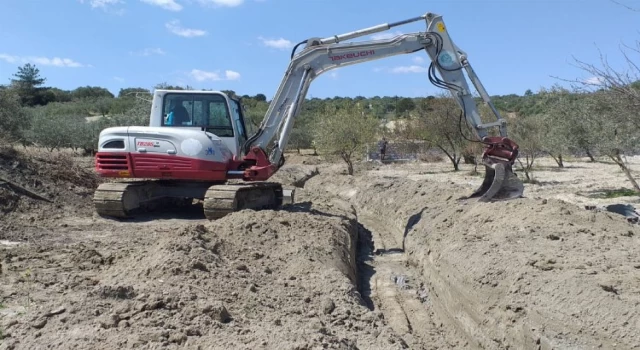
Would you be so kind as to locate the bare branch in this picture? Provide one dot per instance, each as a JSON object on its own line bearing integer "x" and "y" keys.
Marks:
{"x": 626, "y": 6}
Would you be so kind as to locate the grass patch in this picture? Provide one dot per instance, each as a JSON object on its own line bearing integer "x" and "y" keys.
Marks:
{"x": 612, "y": 193}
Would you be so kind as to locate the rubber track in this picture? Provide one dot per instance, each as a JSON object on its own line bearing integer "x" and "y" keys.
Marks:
{"x": 116, "y": 199}
{"x": 222, "y": 200}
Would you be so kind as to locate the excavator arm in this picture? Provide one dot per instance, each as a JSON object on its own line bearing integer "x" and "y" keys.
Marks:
{"x": 264, "y": 150}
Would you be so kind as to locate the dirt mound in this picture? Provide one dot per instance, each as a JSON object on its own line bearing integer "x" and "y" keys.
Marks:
{"x": 251, "y": 280}
{"x": 527, "y": 273}
{"x": 37, "y": 187}
{"x": 295, "y": 175}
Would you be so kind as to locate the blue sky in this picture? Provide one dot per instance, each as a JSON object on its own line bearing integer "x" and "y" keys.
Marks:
{"x": 245, "y": 45}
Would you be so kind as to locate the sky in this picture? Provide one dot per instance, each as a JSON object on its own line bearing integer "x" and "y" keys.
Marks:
{"x": 245, "y": 45}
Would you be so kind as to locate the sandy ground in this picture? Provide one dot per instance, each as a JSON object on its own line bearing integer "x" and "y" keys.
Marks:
{"x": 385, "y": 259}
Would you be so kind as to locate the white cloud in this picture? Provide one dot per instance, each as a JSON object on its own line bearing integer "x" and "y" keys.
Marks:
{"x": 594, "y": 81}
{"x": 119, "y": 79}
{"x": 175, "y": 28}
{"x": 281, "y": 43}
{"x": 418, "y": 59}
{"x": 45, "y": 61}
{"x": 221, "y": 3}
{"x": 409, "y": 69}
{"x": 108, "y": 6}
{"x": 170, "y": 5}
{"x": 149, "y": 52}
{"x": 333, "y": 75}
{"x": 383, "y": 36}
{"x": 201, "y": 75}
{"x": 103, "y": 4}
{"x": 232, "y": 75}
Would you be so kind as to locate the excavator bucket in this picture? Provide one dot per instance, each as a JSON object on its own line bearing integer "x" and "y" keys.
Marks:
{"x": 500, "y": 183}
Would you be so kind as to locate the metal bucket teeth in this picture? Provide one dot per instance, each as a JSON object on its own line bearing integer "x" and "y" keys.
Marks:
{"x": 500, "y": 183}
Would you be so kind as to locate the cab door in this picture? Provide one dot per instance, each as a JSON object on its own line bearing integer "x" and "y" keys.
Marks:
{"x": 238, "y": 122}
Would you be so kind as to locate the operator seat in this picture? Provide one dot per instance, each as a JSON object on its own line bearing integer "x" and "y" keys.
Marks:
{"x": 180, "y": 114}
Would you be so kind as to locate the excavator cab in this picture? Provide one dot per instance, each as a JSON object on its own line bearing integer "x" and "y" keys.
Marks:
{"x": 209, "y": 111}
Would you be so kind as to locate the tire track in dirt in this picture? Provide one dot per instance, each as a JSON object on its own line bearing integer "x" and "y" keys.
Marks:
{"x": 389, "y": 283}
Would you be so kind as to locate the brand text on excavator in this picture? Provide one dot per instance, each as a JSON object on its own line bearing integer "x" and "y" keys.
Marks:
{"x": 352, "y": 55}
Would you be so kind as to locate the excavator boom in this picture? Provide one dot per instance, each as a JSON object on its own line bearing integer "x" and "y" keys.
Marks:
{"x": 265, "y": 149}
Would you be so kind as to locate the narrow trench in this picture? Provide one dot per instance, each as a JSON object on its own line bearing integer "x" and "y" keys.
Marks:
{"x": 364, "y": 259}
{"x": 387, "y": 283}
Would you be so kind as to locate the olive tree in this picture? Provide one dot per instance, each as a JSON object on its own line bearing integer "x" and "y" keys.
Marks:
{"x": 13, "y": 118}
{"x": 572, "y": 125}
{"x": 439, "y": 122}
{"x": 344, "y": 132}
{"x": 615, "y": 100}
{"x": 618, "y": 130}
{"x": 529, "y": 133}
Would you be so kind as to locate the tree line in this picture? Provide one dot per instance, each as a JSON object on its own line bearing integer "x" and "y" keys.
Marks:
{"x": 585, "y": 120}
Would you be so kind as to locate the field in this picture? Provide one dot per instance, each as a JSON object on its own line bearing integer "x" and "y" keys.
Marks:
{"x": 389, "y": 258}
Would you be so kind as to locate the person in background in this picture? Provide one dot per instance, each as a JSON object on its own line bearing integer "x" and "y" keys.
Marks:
{"x": 383, "y": 148}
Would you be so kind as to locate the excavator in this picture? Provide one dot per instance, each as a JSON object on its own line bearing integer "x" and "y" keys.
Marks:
{"x": 196, "y": 145}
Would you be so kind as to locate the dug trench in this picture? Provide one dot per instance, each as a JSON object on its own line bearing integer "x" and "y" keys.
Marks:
{"x": 529, "y": 273}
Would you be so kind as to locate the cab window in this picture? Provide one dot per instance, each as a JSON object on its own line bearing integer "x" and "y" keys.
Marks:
{"x": 209, "y": 111}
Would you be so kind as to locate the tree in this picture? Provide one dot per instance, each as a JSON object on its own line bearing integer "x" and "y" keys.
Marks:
{"x": 571, "y": 124}
{"x": 616, "y": 100}
{"x": 91, "y": 92}
{"x": 13, "y": 119}
{"x": 344, "y": 132}
{"x": 260, "y": 97}
{"x": 529, "y": 133}
{"x": 405, "y": 105}
{"x": 617, "y": 129}
{"x": 58, "y": 95}
{"x": 230, "y": 93}
{"x": 27, "y": 84}
{"x": 103, "y": 105}
{"x": 167, "y": 86}
{"x": 133, "y": 92}
{"x": 438, "y": 122}
{"x": 28, "y": 76}
{"x": 557, "y": 119}
{"x": 51, "y": 133}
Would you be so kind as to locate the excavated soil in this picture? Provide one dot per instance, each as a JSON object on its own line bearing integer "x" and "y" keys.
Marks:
{"x": 283, "y": 279}
{"x": 358, "y": 262}
{"x": 524, "y": 274}
{"x": 39, "y": 188}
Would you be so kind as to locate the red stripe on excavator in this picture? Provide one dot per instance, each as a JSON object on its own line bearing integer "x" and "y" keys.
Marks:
{"x": 158, "y": 166}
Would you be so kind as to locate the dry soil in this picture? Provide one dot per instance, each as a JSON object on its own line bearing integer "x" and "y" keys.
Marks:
{"x": 387, "y": 259}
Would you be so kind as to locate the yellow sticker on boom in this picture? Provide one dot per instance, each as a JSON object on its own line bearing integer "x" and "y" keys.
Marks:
{"x": 440, "y": 26}
{"x": 124, "y": 173}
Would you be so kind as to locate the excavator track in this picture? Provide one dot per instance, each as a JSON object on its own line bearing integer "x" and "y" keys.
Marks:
{"x": 221, "y": 200}
{"x": 119, "y": 199}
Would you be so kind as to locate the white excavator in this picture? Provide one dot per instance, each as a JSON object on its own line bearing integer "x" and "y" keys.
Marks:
{"x": 196, "y": 145}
